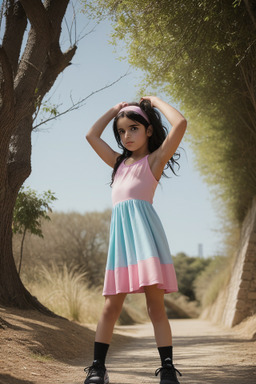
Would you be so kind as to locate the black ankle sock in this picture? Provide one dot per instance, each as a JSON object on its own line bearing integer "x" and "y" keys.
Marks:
{"x": 165, "y": 352}
{"x": 100, "y": 351}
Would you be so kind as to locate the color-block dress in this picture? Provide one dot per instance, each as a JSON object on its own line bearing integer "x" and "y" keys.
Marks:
{"x": 138, "y": 253}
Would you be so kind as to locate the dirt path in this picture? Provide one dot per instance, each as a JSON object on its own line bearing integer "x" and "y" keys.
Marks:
{"x": 204, "y": 353}
{"x": 39, "y": 350}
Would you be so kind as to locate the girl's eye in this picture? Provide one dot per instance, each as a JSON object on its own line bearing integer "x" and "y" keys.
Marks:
{"x": 120, "y": 132}
{"x": 134, "y": 128}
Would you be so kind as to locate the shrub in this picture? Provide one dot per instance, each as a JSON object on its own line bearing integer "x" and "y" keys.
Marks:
{"x": 187, "y": 270}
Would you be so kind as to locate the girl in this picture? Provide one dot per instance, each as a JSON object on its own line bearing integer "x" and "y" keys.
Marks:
{"x": 139, "y": 258}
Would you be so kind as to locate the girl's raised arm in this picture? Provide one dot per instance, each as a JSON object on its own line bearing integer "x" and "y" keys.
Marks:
{"x": 167, "y": 149}
{"x": 94, "y": 136}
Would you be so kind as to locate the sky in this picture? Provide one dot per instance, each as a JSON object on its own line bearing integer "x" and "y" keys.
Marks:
{"x": 63, "y": 161}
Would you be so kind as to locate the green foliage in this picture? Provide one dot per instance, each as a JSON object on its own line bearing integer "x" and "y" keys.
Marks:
{"x": 52, "y": 110}
{"x": 187, "y": 270}
{"x": 30, "y": 209}
{"x": 202, "y": 279}
{"x": 203, "y": 56}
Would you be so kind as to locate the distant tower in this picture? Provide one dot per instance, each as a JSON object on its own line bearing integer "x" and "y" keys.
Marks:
{"x": 200, "y": 250}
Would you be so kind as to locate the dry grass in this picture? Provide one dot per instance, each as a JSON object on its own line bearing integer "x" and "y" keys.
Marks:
{"x": 213, "y": 279}
{"x": 134, "y": 310}
{"x": 65, "y": 291}
{"x": 179, "y": 306}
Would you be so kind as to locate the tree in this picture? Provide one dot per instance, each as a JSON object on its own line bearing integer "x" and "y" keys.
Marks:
{"x": 203, "y": 55}
{"x": 29, "y": 211}
{"x": 25, "y": 77}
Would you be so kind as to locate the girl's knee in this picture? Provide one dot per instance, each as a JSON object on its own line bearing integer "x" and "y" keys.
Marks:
{"x": 155, "y": 303}
{"x": 156, "y": 312}
{"x": 112, "y": 309}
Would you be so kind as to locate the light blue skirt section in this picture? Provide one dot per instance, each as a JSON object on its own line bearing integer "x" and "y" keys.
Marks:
{"x": 136, "y": 234}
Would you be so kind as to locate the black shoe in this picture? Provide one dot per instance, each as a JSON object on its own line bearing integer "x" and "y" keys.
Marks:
{"x": 97, "y": 374}
{"x": 168, "y": 373}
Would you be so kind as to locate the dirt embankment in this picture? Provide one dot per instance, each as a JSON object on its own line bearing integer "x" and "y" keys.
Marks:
{"x": 36, "y": 349}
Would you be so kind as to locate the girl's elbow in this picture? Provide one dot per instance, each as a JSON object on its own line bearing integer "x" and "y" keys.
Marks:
{"x": 184, "y": 123}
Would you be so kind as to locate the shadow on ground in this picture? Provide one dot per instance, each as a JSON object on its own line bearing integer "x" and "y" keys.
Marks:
{"x": 201, "y": 359}
{"x": 4, "y": 379}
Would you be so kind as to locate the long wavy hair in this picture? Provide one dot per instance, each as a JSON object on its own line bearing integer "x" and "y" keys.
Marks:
{"x": 158, "y": 136}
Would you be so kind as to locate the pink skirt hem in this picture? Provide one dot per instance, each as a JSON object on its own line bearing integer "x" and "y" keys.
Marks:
{"x": 134, "y": 278}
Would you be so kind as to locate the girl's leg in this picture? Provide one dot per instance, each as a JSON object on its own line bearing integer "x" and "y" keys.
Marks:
{"x": 157, "y": 314}
{"x": 97, "y": 373}
{"x": 111, "y": 311}
{"x": 163, "y": 334}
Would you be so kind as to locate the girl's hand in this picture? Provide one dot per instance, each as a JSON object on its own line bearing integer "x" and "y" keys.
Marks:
{"x": 119, "y": 106}
{"x": 154, "y": 100}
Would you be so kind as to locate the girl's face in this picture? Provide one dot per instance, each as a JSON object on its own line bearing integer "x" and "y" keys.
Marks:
{"x": 133, "y": 134}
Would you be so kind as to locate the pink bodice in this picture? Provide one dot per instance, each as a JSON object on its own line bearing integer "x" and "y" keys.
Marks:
{"x": 134, "y": 181}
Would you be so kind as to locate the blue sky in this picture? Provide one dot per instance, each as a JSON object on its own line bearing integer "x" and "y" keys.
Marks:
{"x": 63, "y": 161}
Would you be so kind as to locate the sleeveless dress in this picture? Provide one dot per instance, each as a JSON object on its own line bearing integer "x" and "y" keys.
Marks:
{"x": 138, "y": 253}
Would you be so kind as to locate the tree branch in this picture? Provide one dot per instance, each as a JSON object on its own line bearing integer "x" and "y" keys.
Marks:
{"x": 56, "y": 10}
{"x": 37, "y": 16}
{"x": 250, "y": 11}
{"x": 7, "y": 93}
{"x": 56, "y": 65}
{"x": 16, "y": 22}
{"x": 34, "y": 58}
{"x": 79, "y": 103}
{"x": 45, "y": 58}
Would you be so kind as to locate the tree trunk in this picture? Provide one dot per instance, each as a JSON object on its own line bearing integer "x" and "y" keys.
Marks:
{"x": 21, "y": 250}
{"x": 23, "y": 83}
{"x": 12, "y": 291}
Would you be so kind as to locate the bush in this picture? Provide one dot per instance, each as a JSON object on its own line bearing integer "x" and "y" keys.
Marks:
{"x": 187, "y": 270}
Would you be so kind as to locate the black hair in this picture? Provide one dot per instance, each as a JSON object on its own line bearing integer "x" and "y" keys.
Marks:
{"x": 158, "y": 135}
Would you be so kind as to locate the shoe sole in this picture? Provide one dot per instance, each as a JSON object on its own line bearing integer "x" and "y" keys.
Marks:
{"x": 106, "y": 379}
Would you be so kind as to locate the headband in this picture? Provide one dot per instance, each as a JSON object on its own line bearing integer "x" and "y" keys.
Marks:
{"x": 136, "y": 109}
